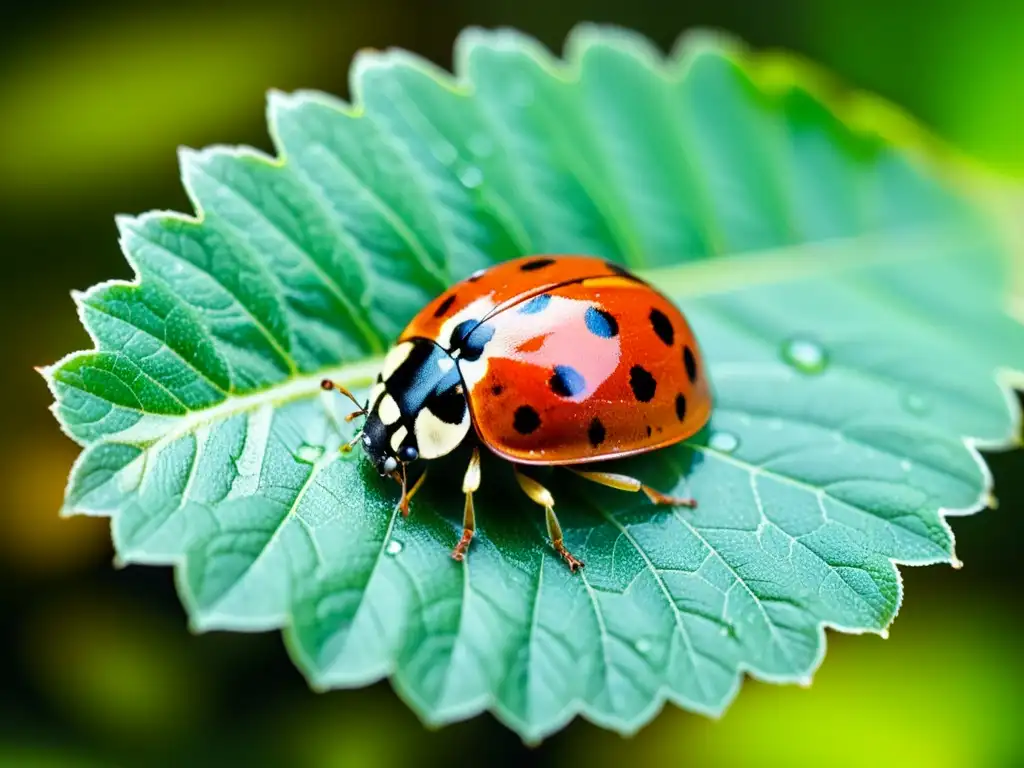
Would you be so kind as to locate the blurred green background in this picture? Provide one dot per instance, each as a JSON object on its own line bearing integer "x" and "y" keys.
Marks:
{"x": 98, "y": 668}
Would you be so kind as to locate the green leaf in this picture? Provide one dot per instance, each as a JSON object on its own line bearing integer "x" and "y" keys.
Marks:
{"x": 848, "y": 299}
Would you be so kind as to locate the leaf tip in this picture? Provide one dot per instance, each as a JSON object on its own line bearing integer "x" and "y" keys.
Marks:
{"x": 591, "y": 34}
{"x": 189, "y": 159}
{"x": 278, "y": 100}
{"x": 706, "y": 41}
{"x": 498, "y": 39}
{"x": 66, "y": 511}
{"x": 124, "y": 223}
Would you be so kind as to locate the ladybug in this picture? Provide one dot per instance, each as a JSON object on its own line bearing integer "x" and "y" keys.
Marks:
{"x": 544, "y": 360}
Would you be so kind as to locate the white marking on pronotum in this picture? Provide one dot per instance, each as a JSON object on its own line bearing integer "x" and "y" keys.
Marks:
{"x": 445, "y": 363}
{"x": 388, "y": 410}
{"x": 394, "y": 358}
{"x": 397, "y": 438}
{"x": 375, "y": 393}
{"x": 435, "y": 437}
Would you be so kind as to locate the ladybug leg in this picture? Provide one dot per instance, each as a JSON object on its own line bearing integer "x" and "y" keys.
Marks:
{"x": 407, "y": 495}
{"x": 470, "y": 483}
{"x": 627, "y": 483}
{"x": 540, "y": 495}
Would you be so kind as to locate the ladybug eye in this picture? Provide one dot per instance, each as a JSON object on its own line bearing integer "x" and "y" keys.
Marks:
{"x": 408, "y": 453}
{"x": 390, "y": 464}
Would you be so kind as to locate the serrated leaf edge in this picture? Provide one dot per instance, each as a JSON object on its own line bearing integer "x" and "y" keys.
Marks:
{"x": 859, "y": 111}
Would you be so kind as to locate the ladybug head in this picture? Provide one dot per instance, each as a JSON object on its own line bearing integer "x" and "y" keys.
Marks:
{"x": 377, "y": 444}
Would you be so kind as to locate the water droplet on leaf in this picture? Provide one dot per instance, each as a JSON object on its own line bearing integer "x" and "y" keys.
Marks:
{"x": 444, "y": 152}
{"x": 471, "y": 177}
{"x": 884, "y": 634}
{"x": 805, "y": 355}
{"x": 642, "y": 646}
{"x": 916, "y": 404}
{"x": 394, "y": 547}
{"x": 310, "y": 454}
{"x": 726, "y": 442}
{"x": 906, "y": 465}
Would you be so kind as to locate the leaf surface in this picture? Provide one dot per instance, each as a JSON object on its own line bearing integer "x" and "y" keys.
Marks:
{"x": 848, "y": 301}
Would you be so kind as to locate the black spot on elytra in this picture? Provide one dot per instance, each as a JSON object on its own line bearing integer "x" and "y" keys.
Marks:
{"x": 663, "y": 326}
{"x": 536, "y": 264}
{"x": 470, "y": 338}
{"x": 642, "y": 384}
{"x": 618, "y": 269}
{"x": 444, "y": 306}
{"x": 649, "y": 430}
{"x": 691, "y": 364}
{"x": 600, "y": 323}
{"x": 681, "y": 406}
{"x": 497, "y": 389}
{"x": 566, "y": 381}
{"x": 525, "y": 420}
{"x": 536, "y": 304}
{"x": 596, "y": 433}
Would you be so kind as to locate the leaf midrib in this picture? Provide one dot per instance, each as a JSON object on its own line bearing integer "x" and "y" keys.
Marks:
{"x": 698, "y": 278}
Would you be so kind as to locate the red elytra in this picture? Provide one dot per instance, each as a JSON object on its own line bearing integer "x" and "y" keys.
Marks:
{"x": 545, "y": 360}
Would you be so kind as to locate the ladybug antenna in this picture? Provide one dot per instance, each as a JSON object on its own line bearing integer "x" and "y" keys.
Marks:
{"x": 327, "y": 385}
{"x": 347, "y": 447}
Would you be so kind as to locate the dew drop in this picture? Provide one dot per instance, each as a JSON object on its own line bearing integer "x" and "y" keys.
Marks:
{"x": 480, "y": 145}
{"x": 805, "y": 355}
{"x": 394, "y": 547}
{"x": 991, "y": 501}
{"x": 726, "y": 442}
{"x": 444, "y": 152}
{"x": 310, "y": 454}
{"x": 804, "y": 682}
{"x": 916, "y": 404}
{"x": 642, "y": 646}
{"x": 906, "y": 465}
{"x": 471, "y": 177}
{"x": 884, "y": 634}
{"x": 956, "y": 562}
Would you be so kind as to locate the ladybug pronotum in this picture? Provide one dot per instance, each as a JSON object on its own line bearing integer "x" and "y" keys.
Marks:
{"x": 544, "y": 360}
